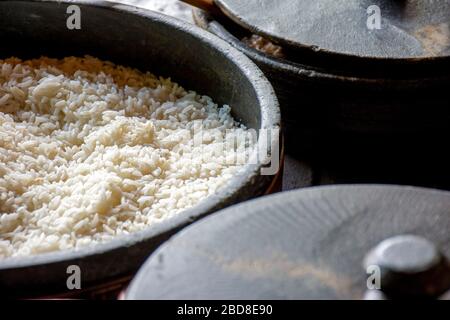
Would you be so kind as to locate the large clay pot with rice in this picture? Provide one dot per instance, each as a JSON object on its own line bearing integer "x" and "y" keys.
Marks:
{"x": 148, "y": 41}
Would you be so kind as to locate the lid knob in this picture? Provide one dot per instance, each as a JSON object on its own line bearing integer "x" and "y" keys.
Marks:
{"x": 410, "y": 266}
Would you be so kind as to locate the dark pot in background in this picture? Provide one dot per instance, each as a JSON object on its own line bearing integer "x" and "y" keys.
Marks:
{"x": 381, "y": 122}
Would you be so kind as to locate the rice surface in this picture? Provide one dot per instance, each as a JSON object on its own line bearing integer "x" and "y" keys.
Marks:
{"x": 90, "y": 151}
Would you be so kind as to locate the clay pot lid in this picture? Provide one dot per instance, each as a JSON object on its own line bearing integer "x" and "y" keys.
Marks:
{"x": 307, "y": 244}
{"x": 408, "y": 29}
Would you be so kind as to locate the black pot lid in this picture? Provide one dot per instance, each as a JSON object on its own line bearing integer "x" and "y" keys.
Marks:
{"x": 304, "y": 244}
{"x": 410, "y": 29}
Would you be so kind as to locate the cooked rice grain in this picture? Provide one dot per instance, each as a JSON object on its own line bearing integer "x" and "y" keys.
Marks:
{"x": 90, "y": 151}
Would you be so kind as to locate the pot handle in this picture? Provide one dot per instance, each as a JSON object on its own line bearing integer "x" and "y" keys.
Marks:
{"x": 408, "y": 267}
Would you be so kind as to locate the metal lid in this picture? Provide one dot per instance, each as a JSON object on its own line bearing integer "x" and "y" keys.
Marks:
{"x": 383, "y": 29}
{"x": 307, "y": 244}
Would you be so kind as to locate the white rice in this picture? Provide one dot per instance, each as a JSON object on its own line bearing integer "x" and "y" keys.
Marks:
{"x": 90, "y": 151}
